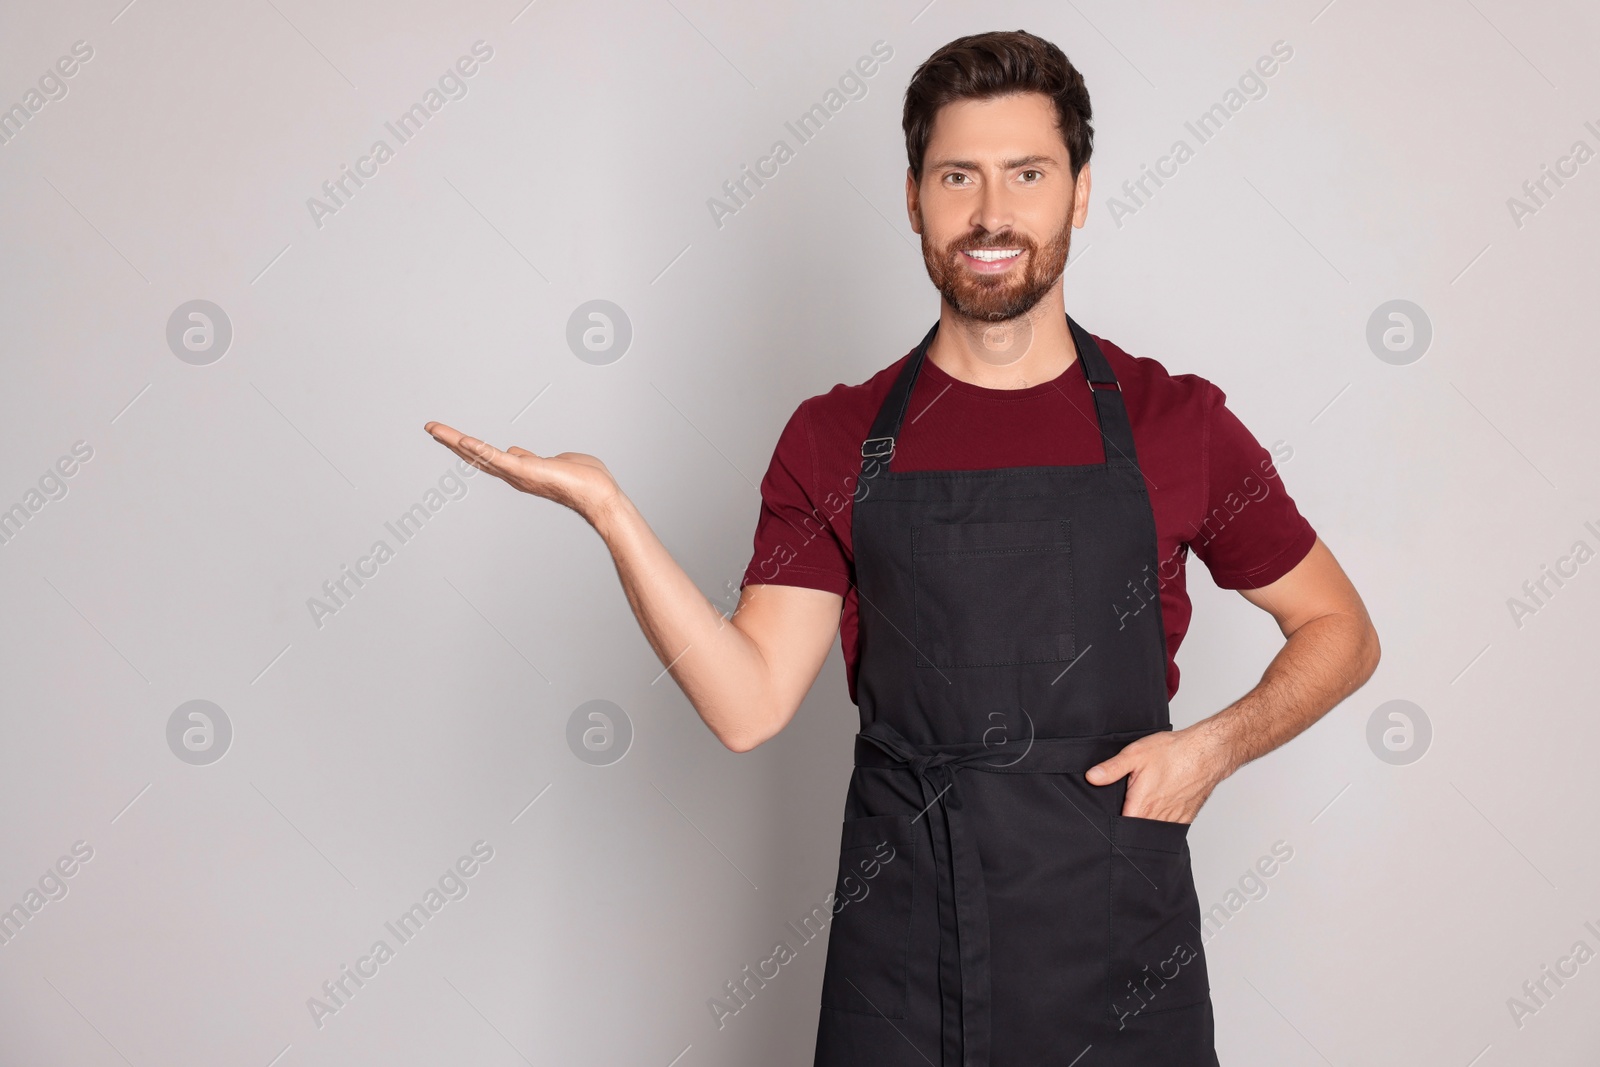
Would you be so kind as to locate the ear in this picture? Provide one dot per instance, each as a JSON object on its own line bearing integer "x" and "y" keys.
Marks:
{"x": 913, "y": 203}
{"x": 1080, "y": 199}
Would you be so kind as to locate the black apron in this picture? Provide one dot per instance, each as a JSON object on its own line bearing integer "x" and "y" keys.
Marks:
{"x": 994, "y": 909}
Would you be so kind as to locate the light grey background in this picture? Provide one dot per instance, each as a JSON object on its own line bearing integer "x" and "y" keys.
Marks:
{"x": 370, "y": 753}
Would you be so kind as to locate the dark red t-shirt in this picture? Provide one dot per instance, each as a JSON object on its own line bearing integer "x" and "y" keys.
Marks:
{"x": 1213, "y": 487}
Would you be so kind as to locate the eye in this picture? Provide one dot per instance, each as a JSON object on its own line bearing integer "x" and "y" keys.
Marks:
{"x": 955, "y": 174}
{"x": 1038, "y": 172}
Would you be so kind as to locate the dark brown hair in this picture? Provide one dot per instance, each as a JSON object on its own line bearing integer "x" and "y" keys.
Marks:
{"x": 986, "y": 65}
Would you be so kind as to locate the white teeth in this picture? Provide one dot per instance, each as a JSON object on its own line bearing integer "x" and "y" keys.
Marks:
{"x": 993, "y": 255}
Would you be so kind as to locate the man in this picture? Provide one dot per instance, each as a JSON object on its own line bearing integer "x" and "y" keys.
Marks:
{"x": 997, "y": 524}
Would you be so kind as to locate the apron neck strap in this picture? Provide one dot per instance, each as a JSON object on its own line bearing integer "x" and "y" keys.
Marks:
{"x": 1116, "y": 432}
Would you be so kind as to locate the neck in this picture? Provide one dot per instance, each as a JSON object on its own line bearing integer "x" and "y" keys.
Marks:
{"x": 1034, "y": 347}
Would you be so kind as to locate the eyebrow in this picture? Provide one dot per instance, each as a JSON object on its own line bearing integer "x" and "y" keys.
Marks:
{"x": 1010, "y": 164}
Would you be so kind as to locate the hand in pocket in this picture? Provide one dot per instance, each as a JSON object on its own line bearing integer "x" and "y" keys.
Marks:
{"x": 1170, "y": 774}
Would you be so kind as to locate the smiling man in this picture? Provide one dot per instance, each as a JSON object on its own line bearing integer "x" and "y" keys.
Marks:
{"x": 996, "y": 525}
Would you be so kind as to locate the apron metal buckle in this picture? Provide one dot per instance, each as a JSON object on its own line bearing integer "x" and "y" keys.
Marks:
{"x": 880, "y": 452}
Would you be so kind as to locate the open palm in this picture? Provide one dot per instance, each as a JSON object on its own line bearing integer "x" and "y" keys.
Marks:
{"x": 579, "y": 481}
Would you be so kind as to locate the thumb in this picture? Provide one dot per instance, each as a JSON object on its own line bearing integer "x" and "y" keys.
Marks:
{"x": 518, "y": 450}
{"x": 1117, "y": 766}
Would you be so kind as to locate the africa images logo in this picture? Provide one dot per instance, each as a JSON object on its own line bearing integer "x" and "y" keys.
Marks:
{"x": 852, "y": 86}
{"x": 338, "y": 192}
{"x": 852, "y": 889}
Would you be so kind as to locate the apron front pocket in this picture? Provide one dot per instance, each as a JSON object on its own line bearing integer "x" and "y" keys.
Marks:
{"x": 993, "y": 593}
{"x": 866, "y": 965}
{"x": 1157, "y": 963}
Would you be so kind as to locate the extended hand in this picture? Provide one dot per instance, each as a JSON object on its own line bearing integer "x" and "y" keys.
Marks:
{"x": 580, "y": 482}
{"x": 1170, "y": 773}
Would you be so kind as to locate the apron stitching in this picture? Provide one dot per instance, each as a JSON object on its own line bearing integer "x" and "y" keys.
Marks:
{"x": 890, "y": 1021}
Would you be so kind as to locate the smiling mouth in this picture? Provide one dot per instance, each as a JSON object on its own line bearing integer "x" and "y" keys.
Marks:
{"x": 992, "y": 255}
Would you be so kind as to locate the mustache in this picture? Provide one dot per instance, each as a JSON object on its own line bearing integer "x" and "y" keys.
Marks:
{"x": 980, "y": 245}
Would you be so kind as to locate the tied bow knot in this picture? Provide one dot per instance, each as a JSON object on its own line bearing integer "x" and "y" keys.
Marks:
{"x": 936, "y": 772}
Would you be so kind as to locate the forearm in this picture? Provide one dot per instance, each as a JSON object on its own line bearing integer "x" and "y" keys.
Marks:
{"x": 1320, "y": 664}
{"x": 1330, "y": 650}
{"x": 719, "y": 668}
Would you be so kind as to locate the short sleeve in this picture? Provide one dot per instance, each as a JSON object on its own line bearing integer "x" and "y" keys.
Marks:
{"x": 1252, "y": 533}
{"x": 796, "y": 542}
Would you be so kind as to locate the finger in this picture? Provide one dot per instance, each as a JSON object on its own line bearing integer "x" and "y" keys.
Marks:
{"x": 448, "y": 436}
{"x": 480, "y": 454}
{"x": 518, "y": 450}
{"x": 1116, "y": 767}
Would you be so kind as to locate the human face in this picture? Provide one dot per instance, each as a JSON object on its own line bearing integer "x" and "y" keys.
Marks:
{"x": 996, "y": 205}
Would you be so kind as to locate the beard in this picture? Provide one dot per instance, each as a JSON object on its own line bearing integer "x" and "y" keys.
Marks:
{"x": 997, "y": 297}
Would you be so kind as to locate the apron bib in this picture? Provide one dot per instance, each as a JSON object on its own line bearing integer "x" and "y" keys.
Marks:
{"x": 993, "y": 908}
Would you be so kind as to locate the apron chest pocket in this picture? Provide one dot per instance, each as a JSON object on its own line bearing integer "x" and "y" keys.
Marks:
{"x": 993, "y": 593}
{"x": 1157, "y": 963}
{"x": 866, "y": 965}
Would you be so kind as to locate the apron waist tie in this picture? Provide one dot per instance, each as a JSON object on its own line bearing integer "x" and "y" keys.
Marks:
{"x": 958, "y": 864}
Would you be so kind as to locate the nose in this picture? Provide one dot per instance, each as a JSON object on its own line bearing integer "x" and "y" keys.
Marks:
{"x": 994, "y": 209}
